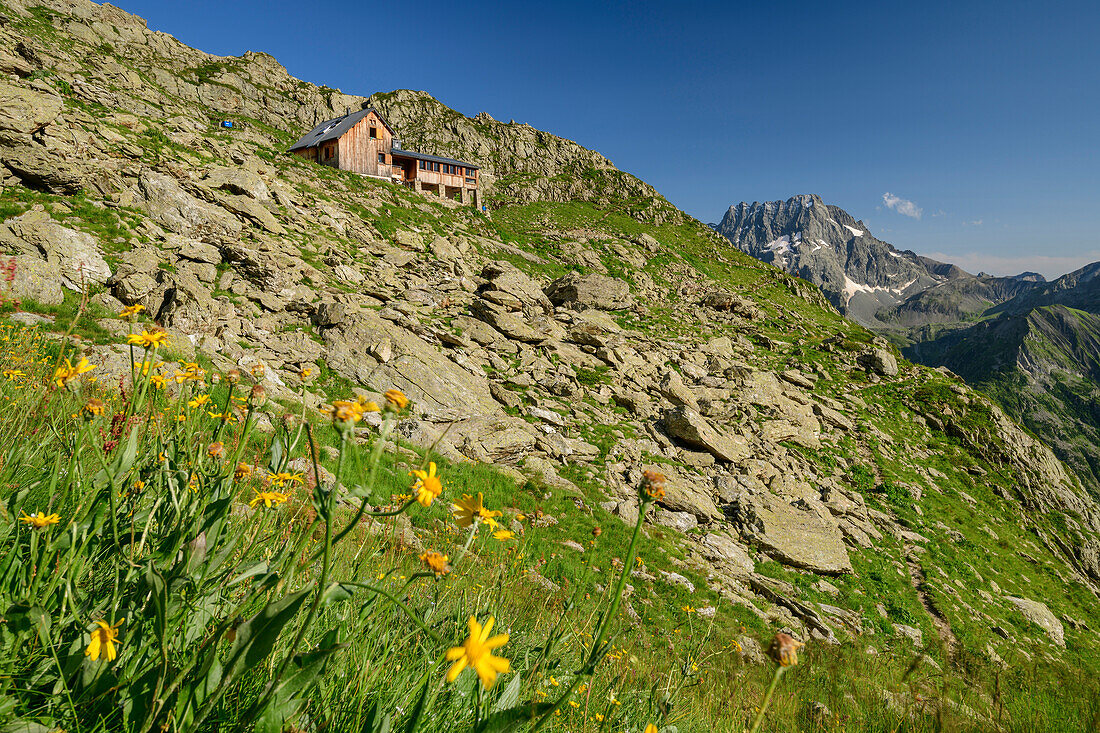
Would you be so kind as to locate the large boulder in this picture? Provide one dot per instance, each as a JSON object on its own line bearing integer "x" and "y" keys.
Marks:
{"x": 879, "y": 361}
{"x": 590, "y": 291}
{"x": 173, "y": 208}
{"x": 24, "y": 110}
{"x": 37, "y": 280}
{"x": 507, "y": 278}
{"x": 74, "y": 256}
{"x": 441, "y": 388}
{"x": 238, "y": 181}
{"x": 1038, "y": 613}
{"x": 37, "y": 168}
{"x": 798, "y": 537}
{"x": 688, "y": 426}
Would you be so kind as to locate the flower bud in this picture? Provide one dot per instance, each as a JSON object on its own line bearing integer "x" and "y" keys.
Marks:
{"x": 784, "y": 650}
{"x": 258, "y": 396}
{"x": 233, "y": 376}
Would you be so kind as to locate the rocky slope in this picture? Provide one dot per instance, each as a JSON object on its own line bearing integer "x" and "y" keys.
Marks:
{"x": 573, "y": 338}
{"x": 867, "y": 279}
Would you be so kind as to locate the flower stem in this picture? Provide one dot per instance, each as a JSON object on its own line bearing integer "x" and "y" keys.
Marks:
{"x": 767, "y": 699}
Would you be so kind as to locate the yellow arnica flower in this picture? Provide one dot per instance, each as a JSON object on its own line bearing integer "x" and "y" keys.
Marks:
{"x": 476, "y": 652}
{"x": 650, "y": 728}
{"x": 94, "y": 407}
{"x": 131, "y": 310}
{"x": 103, "y": 638}
{"x": 148, "y": 339}
{"x": 470, "y": 510}
{"x": 13, "y": 374}
{"x": 427, "y": 486}
{"x": 198, "y": 400}
{"x": 435, "y": 562}
{"x": 397, "y": 398}
{"x": 504, "y": 534}
{"x": 280, "y": 479}
{"x": 216, "y": 449}
{"x": 157, "y": 380}
{"x": 304, "y": 373}
{"x": 269, "y": 498}
{"x": 67, "y": 373}
{"x": 243, "y": 471}
{"x": 40, "y": 520}
{"x": 346, "y": 411}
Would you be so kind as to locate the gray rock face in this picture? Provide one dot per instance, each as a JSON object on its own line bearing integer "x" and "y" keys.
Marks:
{"x": 24, "y": 110}
{"x": 1038, "y": 613}
{"x": 73, "y": 257}
{"x": 590, "y": 291}
{"x": 798, "y": 537}
{"x": 879, "y": 361}
{"x": 687, "y": 425}
{"x": 180, "y": 212}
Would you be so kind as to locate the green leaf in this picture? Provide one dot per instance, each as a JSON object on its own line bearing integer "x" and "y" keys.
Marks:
{"x": 511, "y": 719}
{"x": 286, "y": 701}
{"x": 510, "y": 697}
{"x": 337, "y": 592}
{"x": 256, "y": 636}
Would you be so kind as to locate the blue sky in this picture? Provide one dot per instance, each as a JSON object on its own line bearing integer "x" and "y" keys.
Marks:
{"x": 983, "y": 118}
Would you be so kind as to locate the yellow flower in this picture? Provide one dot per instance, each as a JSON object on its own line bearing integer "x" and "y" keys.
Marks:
{"x": 269, "y": 498}
{"x": 476, "y": 652}
{"x": 67, "y": 373}
{"x": 346, "y": 411}
{"x": 139, "y": 485}
{"x": 687, "y": 609}
{"x": 650, "y": 728}
{"x": 40, "y": 520}
{"x": 504, "y": 534}
{"x": 435, "y": 562}
{"x": 280, "y": 479}
{"x": 13, "y": 374}
{"x": 397, "y": 398}
{"x": 103, "y": 637}
{"x": 191, "y": 373}
{"x": 94, "y": 407}
{"x": 157, "y": 380}
{"x": 574, "y": 704}
{"x": 131, "y": 310}
{"x": 470, "y": 510}
{"x": 427, "y": 486}
{"x": 226, "y": 416}
{"x": 198, "y": 400}
{"x": 216, "y": 449}
{"x": 243, "y": 471}
{"x": 148, "y": 339}
{"x": 303, "y": 374}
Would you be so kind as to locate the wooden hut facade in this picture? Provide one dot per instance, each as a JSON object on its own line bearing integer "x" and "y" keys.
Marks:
{"x": 363, "y": 142}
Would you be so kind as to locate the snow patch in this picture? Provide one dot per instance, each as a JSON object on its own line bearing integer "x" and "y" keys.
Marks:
{"x": 853, "y": 230}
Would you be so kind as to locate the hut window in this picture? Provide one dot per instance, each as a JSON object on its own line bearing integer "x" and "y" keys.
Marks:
{"x": 374, "y": 133}
{"x": 381, "y": 157}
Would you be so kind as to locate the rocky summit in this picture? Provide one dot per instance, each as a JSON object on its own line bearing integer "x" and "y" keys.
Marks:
{"x": 578, "y": 333}
{"x": 865, "y": 278}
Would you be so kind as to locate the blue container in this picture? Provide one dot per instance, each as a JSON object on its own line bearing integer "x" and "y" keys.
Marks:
{"x": 227, "y": 123}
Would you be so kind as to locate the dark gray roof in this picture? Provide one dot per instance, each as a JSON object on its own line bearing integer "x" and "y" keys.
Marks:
{"x": 333, "y": 129}
{"x": 431, "y": 158}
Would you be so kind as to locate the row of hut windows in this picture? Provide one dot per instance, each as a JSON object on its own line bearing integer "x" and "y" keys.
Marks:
{"x": 454, "y": 170}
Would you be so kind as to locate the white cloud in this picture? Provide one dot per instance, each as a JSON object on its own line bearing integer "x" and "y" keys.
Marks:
{"x": 974, "y": 223}
{"x": 900, "y": 205}
{"x": 1050, "y": 267}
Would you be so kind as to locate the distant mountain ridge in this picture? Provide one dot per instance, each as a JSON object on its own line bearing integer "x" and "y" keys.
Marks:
{"x": 1038, "y": 354}
{"x": 866, "y": 278}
